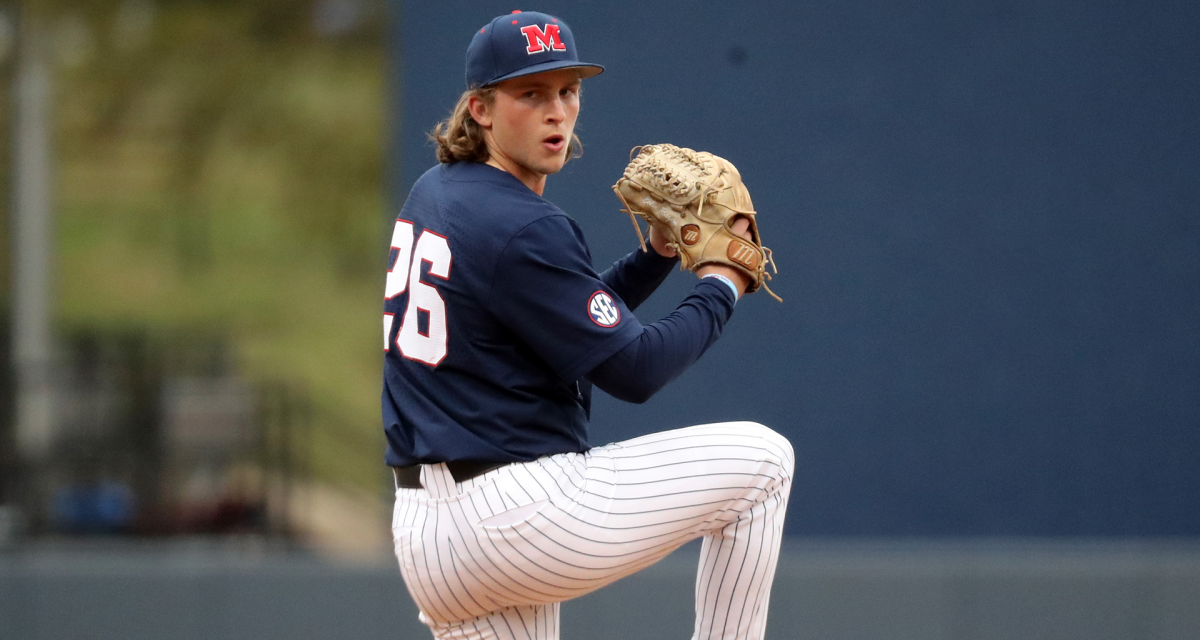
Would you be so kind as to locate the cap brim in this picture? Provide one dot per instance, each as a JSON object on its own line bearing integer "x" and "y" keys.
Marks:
{"x": 586, "y": 70}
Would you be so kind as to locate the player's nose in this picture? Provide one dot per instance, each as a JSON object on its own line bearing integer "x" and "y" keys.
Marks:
{"x": 556, "y": 110}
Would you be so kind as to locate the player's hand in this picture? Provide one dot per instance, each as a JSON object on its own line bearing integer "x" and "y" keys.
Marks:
{"x": 741, "y": 227}
{"x": 659, "y": 242}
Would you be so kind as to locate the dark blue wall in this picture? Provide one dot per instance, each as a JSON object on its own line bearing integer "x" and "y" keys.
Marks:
{"x": 986, "y": 221}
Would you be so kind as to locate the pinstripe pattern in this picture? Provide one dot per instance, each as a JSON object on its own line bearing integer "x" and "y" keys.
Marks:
{"x": 492, "y": 557}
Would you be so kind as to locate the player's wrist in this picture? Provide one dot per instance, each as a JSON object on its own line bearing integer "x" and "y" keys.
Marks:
{"x": 727, "y": 282}
{"x": 737, "y": 279}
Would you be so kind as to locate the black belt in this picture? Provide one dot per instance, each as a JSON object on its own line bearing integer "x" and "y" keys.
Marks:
{"x": 461, "y": 470}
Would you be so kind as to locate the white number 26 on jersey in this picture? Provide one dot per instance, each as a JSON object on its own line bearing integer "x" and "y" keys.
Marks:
{"x": 405, "y": 275}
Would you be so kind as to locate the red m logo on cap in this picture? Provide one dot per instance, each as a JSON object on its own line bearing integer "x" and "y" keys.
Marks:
{"x": 540, "y": 40}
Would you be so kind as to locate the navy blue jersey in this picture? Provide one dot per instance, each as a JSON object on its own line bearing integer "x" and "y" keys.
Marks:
{"x": 493, "y": 314}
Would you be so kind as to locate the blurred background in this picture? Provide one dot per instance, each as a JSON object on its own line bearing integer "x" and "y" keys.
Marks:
{"x": 193, "y": 211}
{"x": 988, "y": 360}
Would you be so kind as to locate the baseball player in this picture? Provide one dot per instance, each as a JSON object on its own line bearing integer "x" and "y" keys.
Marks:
{"x": 496, "y": 330}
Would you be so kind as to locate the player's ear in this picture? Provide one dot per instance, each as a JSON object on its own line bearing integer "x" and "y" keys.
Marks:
{"x": 479, "y": 111}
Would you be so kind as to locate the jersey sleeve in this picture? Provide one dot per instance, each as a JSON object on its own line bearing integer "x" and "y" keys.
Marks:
{"x": 546, "y": 292}
{"x": 637, "y": 275}
{"x": 665, "y": 349}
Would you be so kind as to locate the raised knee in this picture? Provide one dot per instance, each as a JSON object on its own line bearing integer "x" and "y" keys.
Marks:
{"x": 778, "y": 448}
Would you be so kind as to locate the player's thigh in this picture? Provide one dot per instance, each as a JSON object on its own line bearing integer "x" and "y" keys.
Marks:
{"x": 730, "y": 460}
{"x": 734, "y": 441}
{"x": 659, "y": 490}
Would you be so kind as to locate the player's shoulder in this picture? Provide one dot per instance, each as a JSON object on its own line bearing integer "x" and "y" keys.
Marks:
{"x": 495, "y": 199}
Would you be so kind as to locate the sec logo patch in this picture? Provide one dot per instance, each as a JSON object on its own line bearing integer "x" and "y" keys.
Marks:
{"x": 603, "y": 310}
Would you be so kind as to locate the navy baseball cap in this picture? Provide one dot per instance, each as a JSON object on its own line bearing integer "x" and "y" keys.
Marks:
{"x": 519, "y": 44}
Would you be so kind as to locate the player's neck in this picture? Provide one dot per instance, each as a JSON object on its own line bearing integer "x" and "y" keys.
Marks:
{"x": 532, "y": 179}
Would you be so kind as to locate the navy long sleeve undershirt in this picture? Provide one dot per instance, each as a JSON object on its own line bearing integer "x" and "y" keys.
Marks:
{"x": 638, "y": 275}
{"x": 666, "y": 348}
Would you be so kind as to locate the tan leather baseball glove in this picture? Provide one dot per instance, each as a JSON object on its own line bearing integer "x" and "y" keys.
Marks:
{"x": 693, "y": 198}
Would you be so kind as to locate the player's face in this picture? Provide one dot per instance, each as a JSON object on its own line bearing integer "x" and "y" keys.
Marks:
{"x": 529, "y": 125}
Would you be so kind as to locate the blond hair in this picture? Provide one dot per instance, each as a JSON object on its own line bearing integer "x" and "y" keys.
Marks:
{"x": 460, "y": 138}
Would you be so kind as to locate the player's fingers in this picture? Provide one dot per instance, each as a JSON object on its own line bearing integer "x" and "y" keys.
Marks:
{"x": 659, "y": 241}
{"x": 741, "y": 227}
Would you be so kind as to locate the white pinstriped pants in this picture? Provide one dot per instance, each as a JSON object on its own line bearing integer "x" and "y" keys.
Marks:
{"x": 491, "y": 558}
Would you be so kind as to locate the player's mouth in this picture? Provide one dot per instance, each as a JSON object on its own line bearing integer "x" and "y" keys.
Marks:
{"x": 555, "y": 143}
